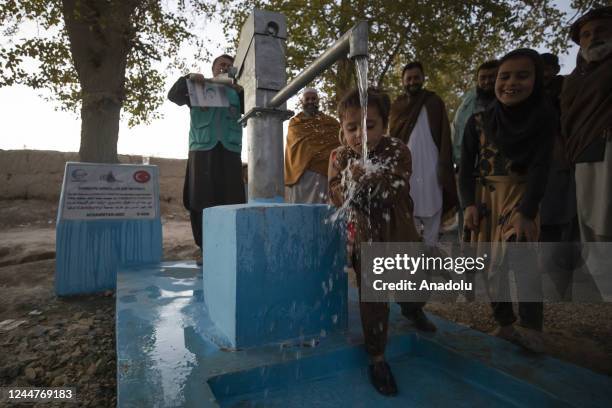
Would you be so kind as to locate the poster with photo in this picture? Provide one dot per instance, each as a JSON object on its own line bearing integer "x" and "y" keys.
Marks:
{"x": 209, "y": 94}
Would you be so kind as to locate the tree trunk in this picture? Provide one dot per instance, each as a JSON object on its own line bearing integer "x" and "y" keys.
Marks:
{"x": 99, "y": 128}
{"x": 100, "y": 36}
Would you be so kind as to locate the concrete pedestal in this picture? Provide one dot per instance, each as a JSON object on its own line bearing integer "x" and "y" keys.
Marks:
{"x": 272, "y": 273}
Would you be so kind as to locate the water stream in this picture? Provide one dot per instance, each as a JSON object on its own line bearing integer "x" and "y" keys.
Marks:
{"x": 361, "y": 68}
{"x": 344, "y": 213}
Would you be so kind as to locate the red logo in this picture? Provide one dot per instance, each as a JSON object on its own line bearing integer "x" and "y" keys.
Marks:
{"x": 142, "y": 176}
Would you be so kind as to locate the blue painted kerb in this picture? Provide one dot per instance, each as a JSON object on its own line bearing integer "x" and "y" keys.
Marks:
{"x": 88, "y": 253}
{"x": 273, "y": 272}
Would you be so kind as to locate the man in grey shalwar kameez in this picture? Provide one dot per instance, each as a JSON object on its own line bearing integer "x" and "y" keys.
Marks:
{"x": 586, "y": 126}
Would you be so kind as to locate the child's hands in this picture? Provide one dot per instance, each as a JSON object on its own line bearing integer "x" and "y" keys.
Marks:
{"x": 197, "y": 78}
{"x": 356, "y": 170}
{"x": 524, "y": 227}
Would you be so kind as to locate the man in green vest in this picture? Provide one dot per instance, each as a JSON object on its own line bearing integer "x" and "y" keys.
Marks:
{"x": 473, "y": 101}
{"x": 214, "y": 167}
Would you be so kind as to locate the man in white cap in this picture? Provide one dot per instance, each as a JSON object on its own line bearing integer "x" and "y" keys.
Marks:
{"x": 311, "y": 137}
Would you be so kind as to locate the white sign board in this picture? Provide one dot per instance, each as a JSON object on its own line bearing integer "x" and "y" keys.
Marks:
{"x": 207, "y": 95}
{"x": 109, "y": 191}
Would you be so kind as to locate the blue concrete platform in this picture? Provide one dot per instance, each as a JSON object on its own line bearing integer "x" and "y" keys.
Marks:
{"x": 273, "y": 272}
{"x": 165, "y": 358}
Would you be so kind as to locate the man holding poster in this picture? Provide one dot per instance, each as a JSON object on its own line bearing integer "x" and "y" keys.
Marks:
{"x": 214, "y": 167}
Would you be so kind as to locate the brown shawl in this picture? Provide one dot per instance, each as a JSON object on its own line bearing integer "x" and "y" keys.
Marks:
{"x": 403, "y": 117}
{"x": 310, "y": 141}
{"x": 586, "y": 105}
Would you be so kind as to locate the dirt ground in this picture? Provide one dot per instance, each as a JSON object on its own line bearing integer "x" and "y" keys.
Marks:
{"x": 60, "y": 341}
{"x": 71, "y": 341}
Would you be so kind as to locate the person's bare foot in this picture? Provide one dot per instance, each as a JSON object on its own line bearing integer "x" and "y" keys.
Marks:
{"x": 420, "y": 320}
{"x": 381, "y": 377}
{"x": 528, "y": 339}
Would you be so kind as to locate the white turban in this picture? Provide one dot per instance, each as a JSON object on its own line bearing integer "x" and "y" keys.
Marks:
{"x": 309, "y": 90}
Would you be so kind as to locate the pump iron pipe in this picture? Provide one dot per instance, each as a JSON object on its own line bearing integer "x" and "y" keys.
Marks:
{"x": 354, "y": 43}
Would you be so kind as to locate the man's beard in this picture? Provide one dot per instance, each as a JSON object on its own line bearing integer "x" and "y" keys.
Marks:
{"x": 485, "y": 94}
{"x": 597, "y": 52}
{"x": 413, "y": 89}
{"x": 311, "y": 109}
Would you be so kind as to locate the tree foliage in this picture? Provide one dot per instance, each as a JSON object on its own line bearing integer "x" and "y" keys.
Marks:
{"x": 35, "y": 47}
{"x": 451, "y": 38}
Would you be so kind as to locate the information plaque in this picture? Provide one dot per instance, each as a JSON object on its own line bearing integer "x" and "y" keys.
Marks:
{"x": 109, "y": 191}
{"x": 108, "y": 216}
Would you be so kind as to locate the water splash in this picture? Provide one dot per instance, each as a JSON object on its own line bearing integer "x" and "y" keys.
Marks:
{"x": 359, "y": 196}
{"x": 343, "y": 214}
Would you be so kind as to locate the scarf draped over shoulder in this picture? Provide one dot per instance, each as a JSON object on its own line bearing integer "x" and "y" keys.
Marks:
{"x": 402, "y": 119}
{"x": 310, "y": 141}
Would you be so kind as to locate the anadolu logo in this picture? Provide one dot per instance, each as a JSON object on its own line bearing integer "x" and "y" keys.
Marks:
{"x": 142, "y": 176}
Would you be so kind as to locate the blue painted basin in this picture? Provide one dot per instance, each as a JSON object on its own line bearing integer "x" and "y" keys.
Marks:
{"x": 165, "y": 359}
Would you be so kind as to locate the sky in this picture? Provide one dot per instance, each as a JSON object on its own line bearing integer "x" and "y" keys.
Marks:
{"x": 30, "y": 122}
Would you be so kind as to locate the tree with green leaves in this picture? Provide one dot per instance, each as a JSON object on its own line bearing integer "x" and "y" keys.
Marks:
{"x": 103, "y": 57}
{"x": 99, "y": 56}
{"x": 451, "y": 38}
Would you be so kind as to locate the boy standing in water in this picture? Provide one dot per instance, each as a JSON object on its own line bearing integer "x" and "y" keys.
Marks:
{"x": 379, "y": 210}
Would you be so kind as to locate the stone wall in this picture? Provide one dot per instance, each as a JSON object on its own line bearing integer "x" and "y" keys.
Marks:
{"x": 38, "y": 174}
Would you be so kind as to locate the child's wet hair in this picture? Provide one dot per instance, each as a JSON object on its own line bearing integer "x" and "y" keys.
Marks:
{"x": 376, "y": 97}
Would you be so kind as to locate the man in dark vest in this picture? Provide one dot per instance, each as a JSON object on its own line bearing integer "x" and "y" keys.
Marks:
{"x": 586, "y": 123}
{"x": 214, "y": 167}
{"x": 586, "y": 128}
{"x": 558, "y": 222}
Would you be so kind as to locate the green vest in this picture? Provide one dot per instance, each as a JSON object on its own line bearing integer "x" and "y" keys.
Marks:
{"x": 463, "y": 113}
{"x": 210, "y": 126}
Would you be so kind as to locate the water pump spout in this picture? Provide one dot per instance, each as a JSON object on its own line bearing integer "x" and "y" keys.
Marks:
{"x": 354, "y": 43}
{"x": 359, "y": 40}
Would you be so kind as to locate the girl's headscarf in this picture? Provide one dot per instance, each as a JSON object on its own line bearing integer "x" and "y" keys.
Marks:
{"x": 524, "y": 132}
